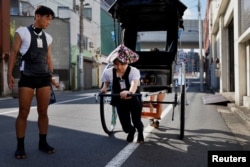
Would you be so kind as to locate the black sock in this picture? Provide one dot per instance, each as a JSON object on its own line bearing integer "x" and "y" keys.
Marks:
{"x": 42, "y": 138}
{"x": 20, "y": 143}
{"x": 43, "y": 145}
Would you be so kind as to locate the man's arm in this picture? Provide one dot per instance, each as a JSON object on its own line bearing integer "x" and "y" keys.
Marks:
{"x": 49, "y": 60}
{"x": 12, "y": 60}
{"x": 51, "y": 67}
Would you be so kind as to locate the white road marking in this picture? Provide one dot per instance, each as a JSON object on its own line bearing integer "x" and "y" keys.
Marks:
{"x": 12, "y": 111}
{"x": 66, "y": 101}
{"x": 8, "y": 112}
{"x": 123, "y": 155}
{"x": 61, "y": 102}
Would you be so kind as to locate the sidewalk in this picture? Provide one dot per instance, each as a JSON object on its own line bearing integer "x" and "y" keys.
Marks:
{"x": 240, "y": 112}
{"x": 6, "y": 97}
{"x": 237, "y": 118}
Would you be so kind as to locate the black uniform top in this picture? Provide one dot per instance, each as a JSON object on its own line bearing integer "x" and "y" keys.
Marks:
{"x": 35, "y": 58}
{"x": 116, "y": 89}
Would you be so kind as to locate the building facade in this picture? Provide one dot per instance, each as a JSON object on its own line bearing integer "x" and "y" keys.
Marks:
{"x": 65, "y": 30}
{"x": 228, "y": 47}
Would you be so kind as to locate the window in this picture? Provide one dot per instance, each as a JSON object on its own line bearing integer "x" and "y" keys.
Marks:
{"x": 14, "y": 11}
{"x": 87, "y": 13}
{"x": 85, "y": 42}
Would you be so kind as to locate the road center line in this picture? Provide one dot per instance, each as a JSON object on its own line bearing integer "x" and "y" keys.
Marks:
{"x": 123, "y": 155}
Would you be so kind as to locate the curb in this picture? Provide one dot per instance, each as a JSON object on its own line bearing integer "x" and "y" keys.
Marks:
{"x": 242, "y": 112}
{"x": 6, "y": 98}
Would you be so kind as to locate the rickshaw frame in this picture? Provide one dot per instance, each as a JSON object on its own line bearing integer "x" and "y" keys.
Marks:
{"x": 152, "y": 15}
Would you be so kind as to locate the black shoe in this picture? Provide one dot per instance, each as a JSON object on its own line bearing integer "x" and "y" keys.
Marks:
{"x": 131, "y": 134}
{"x": 46, "y": 148}
{"x": 20, "y": 153}
{"x": 140, "y": 138}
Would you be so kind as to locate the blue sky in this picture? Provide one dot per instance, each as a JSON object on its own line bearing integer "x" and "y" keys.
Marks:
{"x": 192, "y": 9}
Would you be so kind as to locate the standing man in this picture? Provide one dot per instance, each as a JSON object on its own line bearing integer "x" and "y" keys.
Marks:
{"x": 36, "y": 69}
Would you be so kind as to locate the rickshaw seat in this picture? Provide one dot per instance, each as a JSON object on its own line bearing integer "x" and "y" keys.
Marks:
{"x": 154, "y": 110}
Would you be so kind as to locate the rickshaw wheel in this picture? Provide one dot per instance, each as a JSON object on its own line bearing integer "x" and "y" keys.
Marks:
{"x": 108, "y": 115}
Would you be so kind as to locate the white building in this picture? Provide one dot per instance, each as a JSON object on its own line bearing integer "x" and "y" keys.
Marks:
{"x": 228, "y": 24}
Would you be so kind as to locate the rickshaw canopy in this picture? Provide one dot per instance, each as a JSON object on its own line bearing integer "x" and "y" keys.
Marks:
{"x": 148, "y": 15}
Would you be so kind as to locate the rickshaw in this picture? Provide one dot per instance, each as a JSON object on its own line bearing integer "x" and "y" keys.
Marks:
{"x": 136, "y": 19}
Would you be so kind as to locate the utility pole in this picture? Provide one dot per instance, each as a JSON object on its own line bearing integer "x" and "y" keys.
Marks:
{"x": 4, "y": 41}
{"x": 81, "y": 58}
{"x": 200, "y": 46}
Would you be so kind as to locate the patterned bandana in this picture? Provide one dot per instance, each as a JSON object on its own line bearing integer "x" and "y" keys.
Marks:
{"x": 123, "y": 54}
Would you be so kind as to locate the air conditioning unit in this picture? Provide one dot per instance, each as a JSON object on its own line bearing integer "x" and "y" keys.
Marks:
{"x": 91, "y": 44}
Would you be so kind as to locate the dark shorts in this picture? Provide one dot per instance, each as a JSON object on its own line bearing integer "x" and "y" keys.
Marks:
{"x": 34, "y": 81}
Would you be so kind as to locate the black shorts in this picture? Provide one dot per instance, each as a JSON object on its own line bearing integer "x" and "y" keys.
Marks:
{"x": 34, "y": 81}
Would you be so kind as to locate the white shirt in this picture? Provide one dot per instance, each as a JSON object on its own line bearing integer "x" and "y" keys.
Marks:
{"x": 133, "y": 75}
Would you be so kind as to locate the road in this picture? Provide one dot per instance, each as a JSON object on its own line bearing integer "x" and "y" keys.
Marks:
{"x": 76, "y": 133}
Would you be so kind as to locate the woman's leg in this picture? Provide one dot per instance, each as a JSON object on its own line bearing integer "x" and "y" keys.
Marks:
{"x": 125, "y": 119}
{"x": 136, "y": 119}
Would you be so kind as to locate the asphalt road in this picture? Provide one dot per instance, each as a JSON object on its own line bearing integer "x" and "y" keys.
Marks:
{"x": 76, "y": 133}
